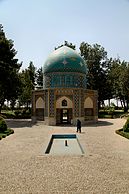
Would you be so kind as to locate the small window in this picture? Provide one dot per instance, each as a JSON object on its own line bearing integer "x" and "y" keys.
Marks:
{"x": 64, "y": 103}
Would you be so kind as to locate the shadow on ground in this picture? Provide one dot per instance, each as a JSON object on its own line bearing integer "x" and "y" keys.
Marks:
{"x": 20, "y": 123}
{"x": 13, "y": 123}
{"x": 104, "y": 123}
{"x": 99, "y": 123}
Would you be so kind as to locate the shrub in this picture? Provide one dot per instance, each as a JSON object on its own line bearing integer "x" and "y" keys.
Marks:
{"x": 126, "y": 126}
{"x": 3, "y": 116}
{"x": 3, "y": 136}
{"x": 11, "y": 131}
{"x": 111, "y": 111}
{"x": 26, "y": 113}
{"x": 6, "y": 133}
{"x": 17, "y": 113}
{"x": 122, "y": 133}
{"x": 8, "y": 114}
{"x": 3, "y": 125}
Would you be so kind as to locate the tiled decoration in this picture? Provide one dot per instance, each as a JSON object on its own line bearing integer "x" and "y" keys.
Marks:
{"x": 76, "y": 103}
{"x": 64, "y": 80}
{"x": 51, "y": 103}
{"x": 46, "y": 103}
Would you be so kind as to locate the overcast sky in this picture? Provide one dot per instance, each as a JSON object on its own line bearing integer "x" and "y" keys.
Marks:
{"x": 37, "y": 26}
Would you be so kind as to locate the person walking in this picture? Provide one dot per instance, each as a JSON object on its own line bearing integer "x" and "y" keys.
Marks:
{"x": 78, "y": 126}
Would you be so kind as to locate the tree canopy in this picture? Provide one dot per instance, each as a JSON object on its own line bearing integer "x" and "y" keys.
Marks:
{"x": 26, "y": 88}
{"x": 118, "y": 76}
{"x": 98, "y": 65}
{"x": 9, "y": 68}
{"x": 39, "y": 77}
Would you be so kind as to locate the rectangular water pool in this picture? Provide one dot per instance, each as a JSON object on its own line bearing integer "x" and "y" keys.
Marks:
{"x": 64, "y": 144}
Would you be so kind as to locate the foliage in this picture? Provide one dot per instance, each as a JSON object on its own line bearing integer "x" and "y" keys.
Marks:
{"x": 28, "y": 83}
{"x": 110, "y": 77}
{"x": 9, "y": 67}
{"x": 122, "y": 133}
{"x": 12, "y": 103}
{"x": 32, "y": 73}
{"x": 23, "y": 114}
{"x": 110, "y": 112}
{"x": 39, "y": 77}
{"x": 125, "y": 115}
{"x": 6, "y": 133}
{"x": 26, "y": 87}
{"x": 119, "y": 79}
{"x": 126, "y": 126}
{"x": 98, "y": 65}
{"x": 3, "y": 125}
{"x": 113, "y": 105}
{"x": 8, "y": 114}
{"x": 66, "y": 43}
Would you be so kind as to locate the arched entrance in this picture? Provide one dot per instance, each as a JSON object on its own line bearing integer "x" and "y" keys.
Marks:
{"x": 88, "y": 109}
{"x": 40, "y": 105}
{"x": 64, "y": 110}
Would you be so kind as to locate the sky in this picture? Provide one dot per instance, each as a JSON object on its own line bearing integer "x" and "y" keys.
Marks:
{"x": 38, "y": 26}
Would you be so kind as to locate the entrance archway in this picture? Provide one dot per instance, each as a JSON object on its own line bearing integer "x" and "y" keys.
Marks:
{"x": 88, "y": 109}
{"x": 64, "y": 110}
{"x": 39, "y": 112}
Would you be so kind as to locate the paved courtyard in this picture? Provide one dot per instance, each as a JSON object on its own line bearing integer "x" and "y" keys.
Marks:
{"x": 25, "y": 169}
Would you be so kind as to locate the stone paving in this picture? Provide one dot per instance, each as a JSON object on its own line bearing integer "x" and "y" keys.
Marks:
{"x": 103, "y": 169}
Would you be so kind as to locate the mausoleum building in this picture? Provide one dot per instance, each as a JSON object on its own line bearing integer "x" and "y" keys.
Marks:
{"x": 64, "y": 97}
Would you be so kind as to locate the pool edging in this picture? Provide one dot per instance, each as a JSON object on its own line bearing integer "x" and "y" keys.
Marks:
{"x": 62, "y": 136}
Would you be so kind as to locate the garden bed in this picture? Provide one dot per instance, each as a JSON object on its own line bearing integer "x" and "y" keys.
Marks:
{"x": 122, "y": 133}
{"x": 6, "y": 133}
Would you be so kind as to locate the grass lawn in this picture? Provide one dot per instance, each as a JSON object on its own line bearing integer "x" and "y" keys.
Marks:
{"x": 16, "y": 114}
{"x": 107, "y": 114}
{"x": 8, "y": 114}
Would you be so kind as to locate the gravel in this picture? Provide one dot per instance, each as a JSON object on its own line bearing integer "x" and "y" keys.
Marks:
{"x": 26, "y": 169}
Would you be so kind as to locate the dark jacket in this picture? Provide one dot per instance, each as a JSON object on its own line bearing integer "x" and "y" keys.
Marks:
{"x": 78, "y": 123}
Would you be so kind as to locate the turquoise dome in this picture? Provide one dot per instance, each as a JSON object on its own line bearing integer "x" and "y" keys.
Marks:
{"x": 64, "y": 59}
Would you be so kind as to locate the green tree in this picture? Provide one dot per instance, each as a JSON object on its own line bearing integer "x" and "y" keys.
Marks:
{"x": 119, "y": 77}
{"x": 27, "y": 87}
{"x": 12, "y": 103}
{"x": 98, "y": 65}
{"x": 39, "y": 77}
{"x": 32, "y": 73}
{"x": 9, "y": 68}
{"x": 66, "y": 43}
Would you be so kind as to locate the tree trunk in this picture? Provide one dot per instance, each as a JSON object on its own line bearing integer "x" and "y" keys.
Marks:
{"x": 109, "y": 102}
{"x": 98, "y": 105}
{"x": 103, "y": 105}
{"x": 121, "y": 103}
{"x": 27, "y": 105}
{"x": 117, "y": 102}
{"x": 1, "y": 103}
{"x": 0, "y": 109}
{"x": 125, "y": 107}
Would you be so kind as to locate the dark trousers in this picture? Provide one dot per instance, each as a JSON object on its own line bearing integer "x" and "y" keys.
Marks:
{"x": 79, "y": 129}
